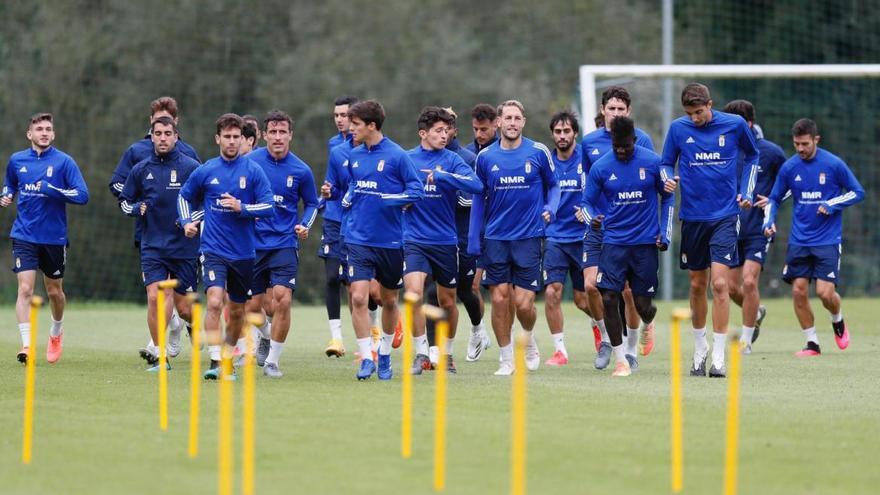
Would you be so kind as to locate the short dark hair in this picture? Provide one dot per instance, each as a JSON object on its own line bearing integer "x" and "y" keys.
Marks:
{"x": 249, "y": 131}
{"x": 804, "y": 127}
{"x": 277, "y": 116}
{"x": 622, "y": 128}
{"x": 483, "y": 111}
{"x": 618, "y": 92}
{"x": 695, "y": 95}
{"x": 39, "y": 117}
{"x": 345, "y": 100}
{"x": 164, "y": 121}
{"x": 228, "y": 120}
{"x": 743, "y": 108}
{"x": 565, "y": 116}
{"x": 599, "y": 120}
{"x": 432, "y": 115}
{"x": 369, "y": 111}
{"x": 165, "y": 103}
{"x": 250, "y": 118}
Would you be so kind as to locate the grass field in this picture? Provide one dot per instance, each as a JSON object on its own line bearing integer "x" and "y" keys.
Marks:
{"x": 808, "y": 426}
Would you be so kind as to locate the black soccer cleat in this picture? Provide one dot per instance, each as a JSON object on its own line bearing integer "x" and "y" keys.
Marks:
{"x": 701, "y": 369}
{"x": 762, "y": 312}
{"x": 149, "y": 357}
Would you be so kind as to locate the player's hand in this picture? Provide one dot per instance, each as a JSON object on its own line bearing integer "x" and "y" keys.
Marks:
{"x": 191, "y": 229}
{"x": 579, "y": 214}
{"x": 478, "y": 277}
{"x": 823, "y": 210}
{"x": 301, "y": 232}
{"x": 430, "y": 178}
{"x": 546, "y": 216}
{"x": 761, "y": 202}
{"x": 770, "y": 231}
{"x": 5, "y": 200}
{"x": 143, "y": 208}
{"x": 596, "y": 224}
{"x": 671, "y": 184}
{"x": 229, "y": 201}
{"x": 662, "y": 246}
{"x": 745, "y": 204}
{"x": 326, "y": 189}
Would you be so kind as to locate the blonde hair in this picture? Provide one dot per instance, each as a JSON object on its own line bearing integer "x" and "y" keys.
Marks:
{"x": 511, "y": 103}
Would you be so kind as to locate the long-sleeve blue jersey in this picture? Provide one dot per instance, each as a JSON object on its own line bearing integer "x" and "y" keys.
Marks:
{"x": 463, "y": 210}
{"x": 820, "y": 181}
{"x": 227, "y": 234}
{"x": 707, "y": 158}
{"x": 630, "y": 190}
{"x": 383, "y": 181}
{"x": 332, "y": 208}
{"x": 475, "y": 148}
{"x": 597, "y": 144}
{"x": 339, "y": 176}
{"x": 572, "y": 180}
{"x": 291, "y": 180}
{"x": 156, "y": 181}
{"x": 432, "y": 220}
{"x": 45, "y": 183}
{"x": 519, "y": 185}
{"x": 770, "y": 159}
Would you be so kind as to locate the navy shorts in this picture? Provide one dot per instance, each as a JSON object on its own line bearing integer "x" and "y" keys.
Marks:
{"x": 592, "y": 247}
{"x": 634, "y": 264}
{"x": 275, "y": 267}
{"x": 331, "y": 241}
{"x": 383, "y": 264}
{"x": 564, "y": 259}
{"x": 513, "y": 262}
{"x": 704, "y": 243}
{"x": 467, "y": 268}
{"x": 812, "y": 262}
{"x": 441, "y": 262}
{"x": 49, "y": 258}
{"x": 235, "y": 276}
{"x": 154, "y": 269}
{"x": 753, "y": 248}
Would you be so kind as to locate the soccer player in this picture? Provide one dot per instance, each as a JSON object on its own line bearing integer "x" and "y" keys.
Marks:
{"x": 429, "y": 235}
{"x": 616, "y": 102}
{"x": 151, "y": 192}
{"x": 331, "y": 248}
{"x": 249, "y": 137}
{"x": 821, "y": 186}
{"x": 484, "y": 122}
{"x": 234, "y": 191}
{"x": 277, "y": 247}
{"x": 563, "y": 248}
{"x": 383, "y": 181}
{"x": 45, "y": 179}
{"x": 258, "y": 135}
{"x": 707, "y": 144}
{"x": 520, "y": 196}
{"x": 752, "y": 246}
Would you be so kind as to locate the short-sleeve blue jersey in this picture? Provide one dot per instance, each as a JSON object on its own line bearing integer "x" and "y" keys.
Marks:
{"x": 432, "y": 220}
{"x": 383, "y": 180}
{"x": 291, "y": 180}
{"x": 824, "y": 180}
{"x": 45, "y": 183}
{"x": 630, "y": 190}
{"x": 227, "y": 234}
{"x": 156, "y": 181}
{"x": 707, "y": 158}
{"x": 572, "y": 179}
{"x": 771, "y": 157}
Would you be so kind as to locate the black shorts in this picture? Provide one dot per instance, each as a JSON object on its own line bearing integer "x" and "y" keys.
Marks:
{"x": 48, "y": 258}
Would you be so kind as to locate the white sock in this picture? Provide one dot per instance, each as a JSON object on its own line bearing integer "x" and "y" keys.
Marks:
{"x": 478, "y": 327}
{"x": 449, "y": 344}
{"x": 701, "y": 345}
{"x": 619, "y": 353}
{"x": 507, "y": 353}
{"x": 719, "y": 341}
{"x": 632, "y": 340}
{"x": 374, "y": 318}
{"x": 275, "y": 349}
{"x": 421, "y": 344}
{"x": 25, "y": 330}
{"x": 603, "y": 331}
{"x": 55, "y": 330}
{"x": 530, "y": 337}
{"x": 810, "y": 334}
{"x": 747, "y": 333}
{"x": 385, "y": 343}
{"x": 434, "y": 354}
{"x": 174, "y": 324}
{"x": 214, "y": 352}
{"x": 266, "y": 329}
{"x": 365, "y": 346}
{"x": 837, "y": 318}
{"x": 336, "y": 330}
{"x": 559, "y": 342}
{"x": 151, "y": 344}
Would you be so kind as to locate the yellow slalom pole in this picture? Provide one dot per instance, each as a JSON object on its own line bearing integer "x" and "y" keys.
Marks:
{"x": 409, "y": 301}
{"x": 29, "y": 379}
{"x": 249, "y": 405}
{"x": 195, "y": 378}
{"x": 731, "y": 452}
{"x": 518, "y": 419}
{"x": 675, "y": 400}
{"x": 163, "y": 358}
{"x": 442, "y": 331}
{"x": 225, "y": 434}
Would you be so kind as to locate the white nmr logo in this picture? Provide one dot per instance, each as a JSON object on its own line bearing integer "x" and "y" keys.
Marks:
{"x": 629, "y": 195}
{"x": 707, "y": 156}
{"x": 569, "y": 183}
{"x": 518, "y": 179}
{"x": 367, "y": 184}
{"x": 811, "y": 194}
{"x": 430, "y": 187}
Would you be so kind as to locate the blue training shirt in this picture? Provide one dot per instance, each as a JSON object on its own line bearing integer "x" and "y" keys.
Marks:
{"x": 630, "y": 190}
{"x": 597, "y": 144}
{"x": 383, "y": 181}
{"x": 463, "y": 209}
{"x": 332, "y": 209}
{"x": 820, "y": 181}
{"x": 156, "y": 181}
{"x": 227, "y": 234}
{"x": 291, "y": 180}
{"x": 432, "y": 220}
{"x": 707, "y": 159}
{"x": 45, "y": 183}
{"x": 770, "y": 160}
{"x": 572, "y": 180}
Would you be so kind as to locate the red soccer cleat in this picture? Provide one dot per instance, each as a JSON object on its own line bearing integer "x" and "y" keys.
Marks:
{"x": 646, "y": 340}
{"x": 398, "y": 335}
{"x": 841, "y": 340}
{"x": 558, "y": 359}
{"x": 812, "y": 349}
{"x": 597, "y": 337}
{"x": 53, "y": 351}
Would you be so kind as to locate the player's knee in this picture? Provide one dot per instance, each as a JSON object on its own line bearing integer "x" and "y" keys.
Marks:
{"x": 282, "y": 300}
{"x": 25, "y": 289}
{"x": 500, "y": 296}
{"x": 800, "y": 293}
{"x": 553, "y": 294}
{"x": 645, "y": 308}
{"x": 446, "y": 300}
{"x": 611, "y": 300}
{"x": 719, "y": 287}
{"x": 581, "y": 302}
{"x": 236, "y": 311}
{"x": 215, "y": 302}
{"x": 825, "y": 292}
{"x": 749, "y": 285}
{"x": 698, "y": 287}
{"x": 54, "y": 291}
{"x": 359, "y": 299}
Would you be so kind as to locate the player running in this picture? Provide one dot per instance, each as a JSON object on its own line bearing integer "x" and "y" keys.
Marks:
{"x": 521, "y": 195}
{"x": 629, "y": 180}
{"x": 233, "y": 191}
{"x": 45, "y": 179}
{"x": 817, "y": 180}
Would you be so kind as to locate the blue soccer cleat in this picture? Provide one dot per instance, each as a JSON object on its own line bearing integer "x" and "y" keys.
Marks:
{"x": 368, "y": 367}
{"x": 385, "y": 372}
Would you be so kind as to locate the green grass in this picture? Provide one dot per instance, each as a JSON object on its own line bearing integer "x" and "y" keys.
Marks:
{"x": 808, "y": 426}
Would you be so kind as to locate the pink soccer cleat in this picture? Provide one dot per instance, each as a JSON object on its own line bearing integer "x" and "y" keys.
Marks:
{"x": 53, "y": 351}
{"x": 558, "y": 359}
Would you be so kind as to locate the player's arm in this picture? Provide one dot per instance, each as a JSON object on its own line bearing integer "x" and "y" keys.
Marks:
{"x": 264, "y": 207}
{"x": 121, "y": 173}
{"x": 778, "y": 194}
{"x": 461, "y": 177}
{"x": 73, "y": 190}
{"x": 667, "y": 214}
{"x": 310, "y": 204}
{"x": 668, "y": 160}
{"x": 130, "y": 198}
{"x": 10, "y": 185}
{"x": 478, "y": 213}
{"x": 413, "y": 191}
{"x": 749, "y": 148}
{"x": 589, "y": 198}
{"x": 552, "y": 193}
{"x": 191, "y": 193}
{"x": 855, "y": 192}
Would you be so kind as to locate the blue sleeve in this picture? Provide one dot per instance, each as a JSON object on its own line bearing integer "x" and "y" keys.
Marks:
{"x": 461, "y": 176}
{"x": 129, "y": 197}
{"x": 120, "y": 174}
{"x": 667, "y": 211}
{"x": 10, "y": 186}
{"x": 777, "y": 196}
{"x": 591, "y": 194}
{"x": 477, "y": 218}
{"x": 669, "y": 157}
{"x": 74, "y": 189}
{"x": 332, "y": 177}
{"x": 190, "y": 193}
{"x": 264, "y": 207}
{"x": 413, "y": 187}
{"x": 748, "y": 146}
{"x": 644, "y": 140}
{"x": 855, "y": 192}
{"x": 310, "y": 199}
{"x": 551, "y": 184}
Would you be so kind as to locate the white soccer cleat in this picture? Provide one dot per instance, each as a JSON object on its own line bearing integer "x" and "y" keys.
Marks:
{"x": 533, "y": 357}
{"x": 173, "y": 345}
{"x": 434, "y": 355}
{"x": 506, "y": 369}
{"x": 477, "y": 344}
